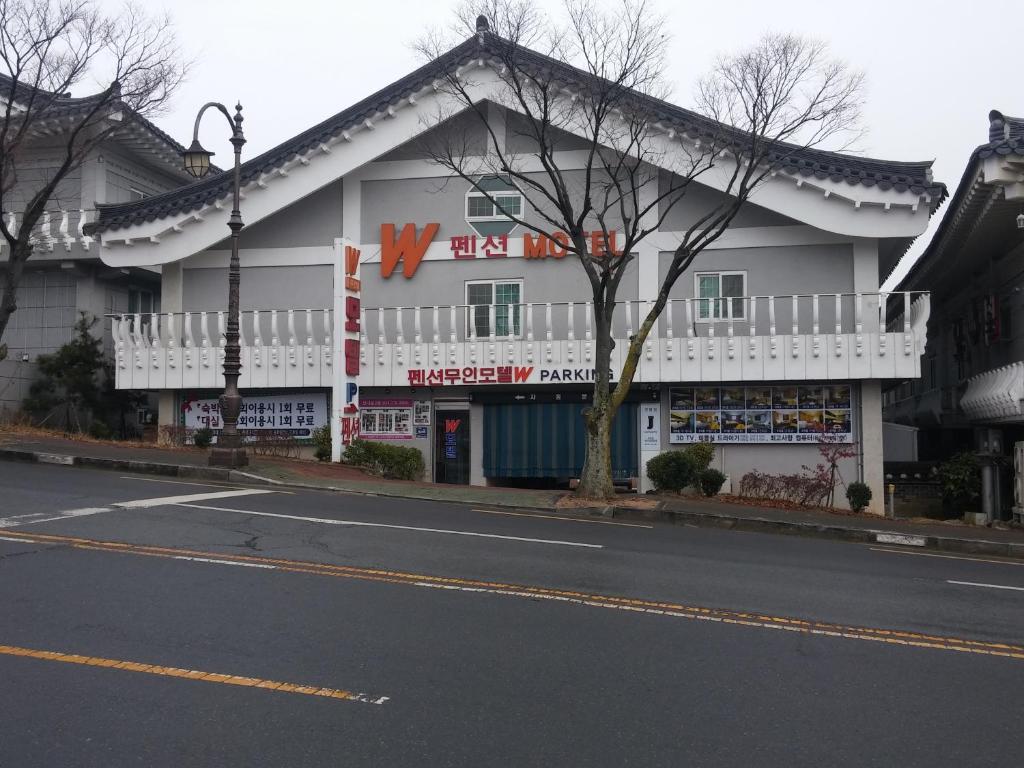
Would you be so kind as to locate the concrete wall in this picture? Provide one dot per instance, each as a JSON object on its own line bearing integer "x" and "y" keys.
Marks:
{"x": 444, "y": 283}
{"x": 285, "y": 287}
{"x": 519, "y": 135}
{"x": 314, "y": 220}
{"x": 49, "y": 302}
{"x": 464, "y": 131}
{"x": 699, "y": 200}
{"x": 125, "y": 172}
{"x": 780, "y": 271}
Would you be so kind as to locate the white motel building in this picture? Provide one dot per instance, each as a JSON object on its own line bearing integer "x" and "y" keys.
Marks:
{"x": 473, "y": 341}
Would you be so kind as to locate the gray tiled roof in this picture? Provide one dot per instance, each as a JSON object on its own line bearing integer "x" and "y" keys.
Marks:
{"x": 1006, "y": 137}
{"x": 901, "y": 176}
{"x": 60, "y": 105}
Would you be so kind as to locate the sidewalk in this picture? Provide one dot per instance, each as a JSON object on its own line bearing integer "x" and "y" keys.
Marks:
{"x": 191, "y": 462}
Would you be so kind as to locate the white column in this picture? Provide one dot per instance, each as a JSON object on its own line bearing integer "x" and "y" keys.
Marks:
{"x": 172, "y": 288}
{"x": 351, "y": 204}
{"x": 870, "y": 443}
{"x": 865, "y": 281}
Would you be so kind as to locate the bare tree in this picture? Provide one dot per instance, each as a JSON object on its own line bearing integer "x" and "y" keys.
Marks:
{"x": 598, "y": 75}
{"x": 48, "y": 48}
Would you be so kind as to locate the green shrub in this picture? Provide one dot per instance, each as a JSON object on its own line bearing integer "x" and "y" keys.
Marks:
{"x": 700, "y": 455}
{"x": 671, "y": 471}
{"x": 859, "y": 496}
{"x": 322, "y": 442}
{"x": 961, "y": 481}
{"x": 395, "y": 462}
{"x": 202, "y": 437}
{"x": 100, "y": 431}
{"x": 710, "y": 481}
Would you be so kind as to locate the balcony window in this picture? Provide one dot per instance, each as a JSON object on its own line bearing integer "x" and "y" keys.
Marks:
{"x": 140, "y": 301}
{"x": 720, "y": 295}
{"x": 507, "y": 298}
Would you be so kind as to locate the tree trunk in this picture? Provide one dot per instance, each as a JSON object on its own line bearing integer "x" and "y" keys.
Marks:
{"x": 9, "y": 298}
{"x": 596, "y": 477}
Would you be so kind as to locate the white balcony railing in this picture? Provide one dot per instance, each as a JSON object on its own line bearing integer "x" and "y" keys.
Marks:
{"x": 799, "y": 337}
{"x": 56, "y": 230}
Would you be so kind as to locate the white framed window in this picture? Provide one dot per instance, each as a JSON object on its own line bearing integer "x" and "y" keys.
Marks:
{"x": 720, "y": 295}
{"x": 498, "y": 207}
{"x": 507, "y": 298}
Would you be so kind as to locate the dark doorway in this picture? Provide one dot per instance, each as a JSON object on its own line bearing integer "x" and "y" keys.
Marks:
{"x": 451, "y": 447}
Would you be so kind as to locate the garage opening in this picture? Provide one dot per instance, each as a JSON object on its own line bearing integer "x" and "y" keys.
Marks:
{"x": 544, "y": 444}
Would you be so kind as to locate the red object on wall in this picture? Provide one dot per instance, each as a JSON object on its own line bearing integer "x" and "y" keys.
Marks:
{"x": 352, "y": 314}
{"x": 352, "y": 357}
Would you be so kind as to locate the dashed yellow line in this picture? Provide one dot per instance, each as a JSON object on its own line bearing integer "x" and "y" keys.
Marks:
{"x": 190, "y": 674}
{"x": 638, "y": 605}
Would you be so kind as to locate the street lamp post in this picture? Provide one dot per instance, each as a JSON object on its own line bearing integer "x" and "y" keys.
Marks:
{"x": 229, "y": 451}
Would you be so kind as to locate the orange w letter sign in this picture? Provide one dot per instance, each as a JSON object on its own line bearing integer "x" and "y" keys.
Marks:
{"x": 405, "y": 248}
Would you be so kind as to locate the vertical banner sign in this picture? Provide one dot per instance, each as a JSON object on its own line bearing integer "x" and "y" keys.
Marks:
{"x": 347, "y": 332}
{"x": 650, "y": 426}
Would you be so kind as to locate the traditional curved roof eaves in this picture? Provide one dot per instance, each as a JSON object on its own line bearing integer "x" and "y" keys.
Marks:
{"x": 912, "y": 177}
{"x": 1006, "y": 137}
{"x": 63, "y": 105}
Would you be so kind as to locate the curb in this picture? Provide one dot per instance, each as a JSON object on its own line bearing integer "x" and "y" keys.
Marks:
{"x": 908, "y": 540}
{"x": 659, "y": 513}
{"x": 129, "y": 465}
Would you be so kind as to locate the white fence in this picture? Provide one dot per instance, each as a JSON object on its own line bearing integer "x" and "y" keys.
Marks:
{"x": 754, "y": 338}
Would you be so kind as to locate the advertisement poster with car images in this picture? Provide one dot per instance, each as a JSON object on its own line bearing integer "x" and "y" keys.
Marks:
{"x": 761, "y": 414}
{"x": 386, "y": 418}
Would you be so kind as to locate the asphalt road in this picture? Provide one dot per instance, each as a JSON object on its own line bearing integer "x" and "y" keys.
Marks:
{"x": 162, "y": 623}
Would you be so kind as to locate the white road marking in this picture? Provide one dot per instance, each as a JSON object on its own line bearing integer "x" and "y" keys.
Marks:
{"x": 359, "y": 523}
{"x": 899, "y": 538}
{"x": 49, "y": 517}
{"x": 175, "y": 482}
{"x": 10, "y": 522}
{"x": 225, "y": 562}
{"x": 19, "y": 541}
{"x": 989, "y": 586}
{"x": 201, "y": 485}
{"x": 559, "y": 517}
{"x": 945, "y": 557}
{"x": 163, "y": 501}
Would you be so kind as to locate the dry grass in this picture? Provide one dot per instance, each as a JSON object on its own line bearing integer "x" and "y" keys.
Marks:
{"x": 17, "y": 430}
{"x": 570, "y": 501}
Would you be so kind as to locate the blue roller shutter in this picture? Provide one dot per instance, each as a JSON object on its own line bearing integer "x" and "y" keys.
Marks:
{"x": 548, "y": 440}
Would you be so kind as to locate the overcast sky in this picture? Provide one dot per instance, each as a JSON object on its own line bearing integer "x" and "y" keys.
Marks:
{"x": 934, "y": 70}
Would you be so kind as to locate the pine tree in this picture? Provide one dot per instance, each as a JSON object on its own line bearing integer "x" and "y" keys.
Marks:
{"x": 69, "y": 379}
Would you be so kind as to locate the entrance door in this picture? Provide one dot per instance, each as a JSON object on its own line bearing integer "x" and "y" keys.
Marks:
{"x": 451, "y": 447}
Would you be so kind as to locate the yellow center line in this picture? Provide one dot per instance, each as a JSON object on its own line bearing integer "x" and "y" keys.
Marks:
{"x": 561, "y": 517}
{"x": 191, "y": 674}
{"x": 661, "y": 608}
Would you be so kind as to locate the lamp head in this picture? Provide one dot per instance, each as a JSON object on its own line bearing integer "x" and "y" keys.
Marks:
{"x": 197, "y": 159}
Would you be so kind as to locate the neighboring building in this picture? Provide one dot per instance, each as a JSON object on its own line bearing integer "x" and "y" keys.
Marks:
{"x": 477, "y": 349}
{"x": 65, "y": 274}
{"x": 971, "y": 392}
